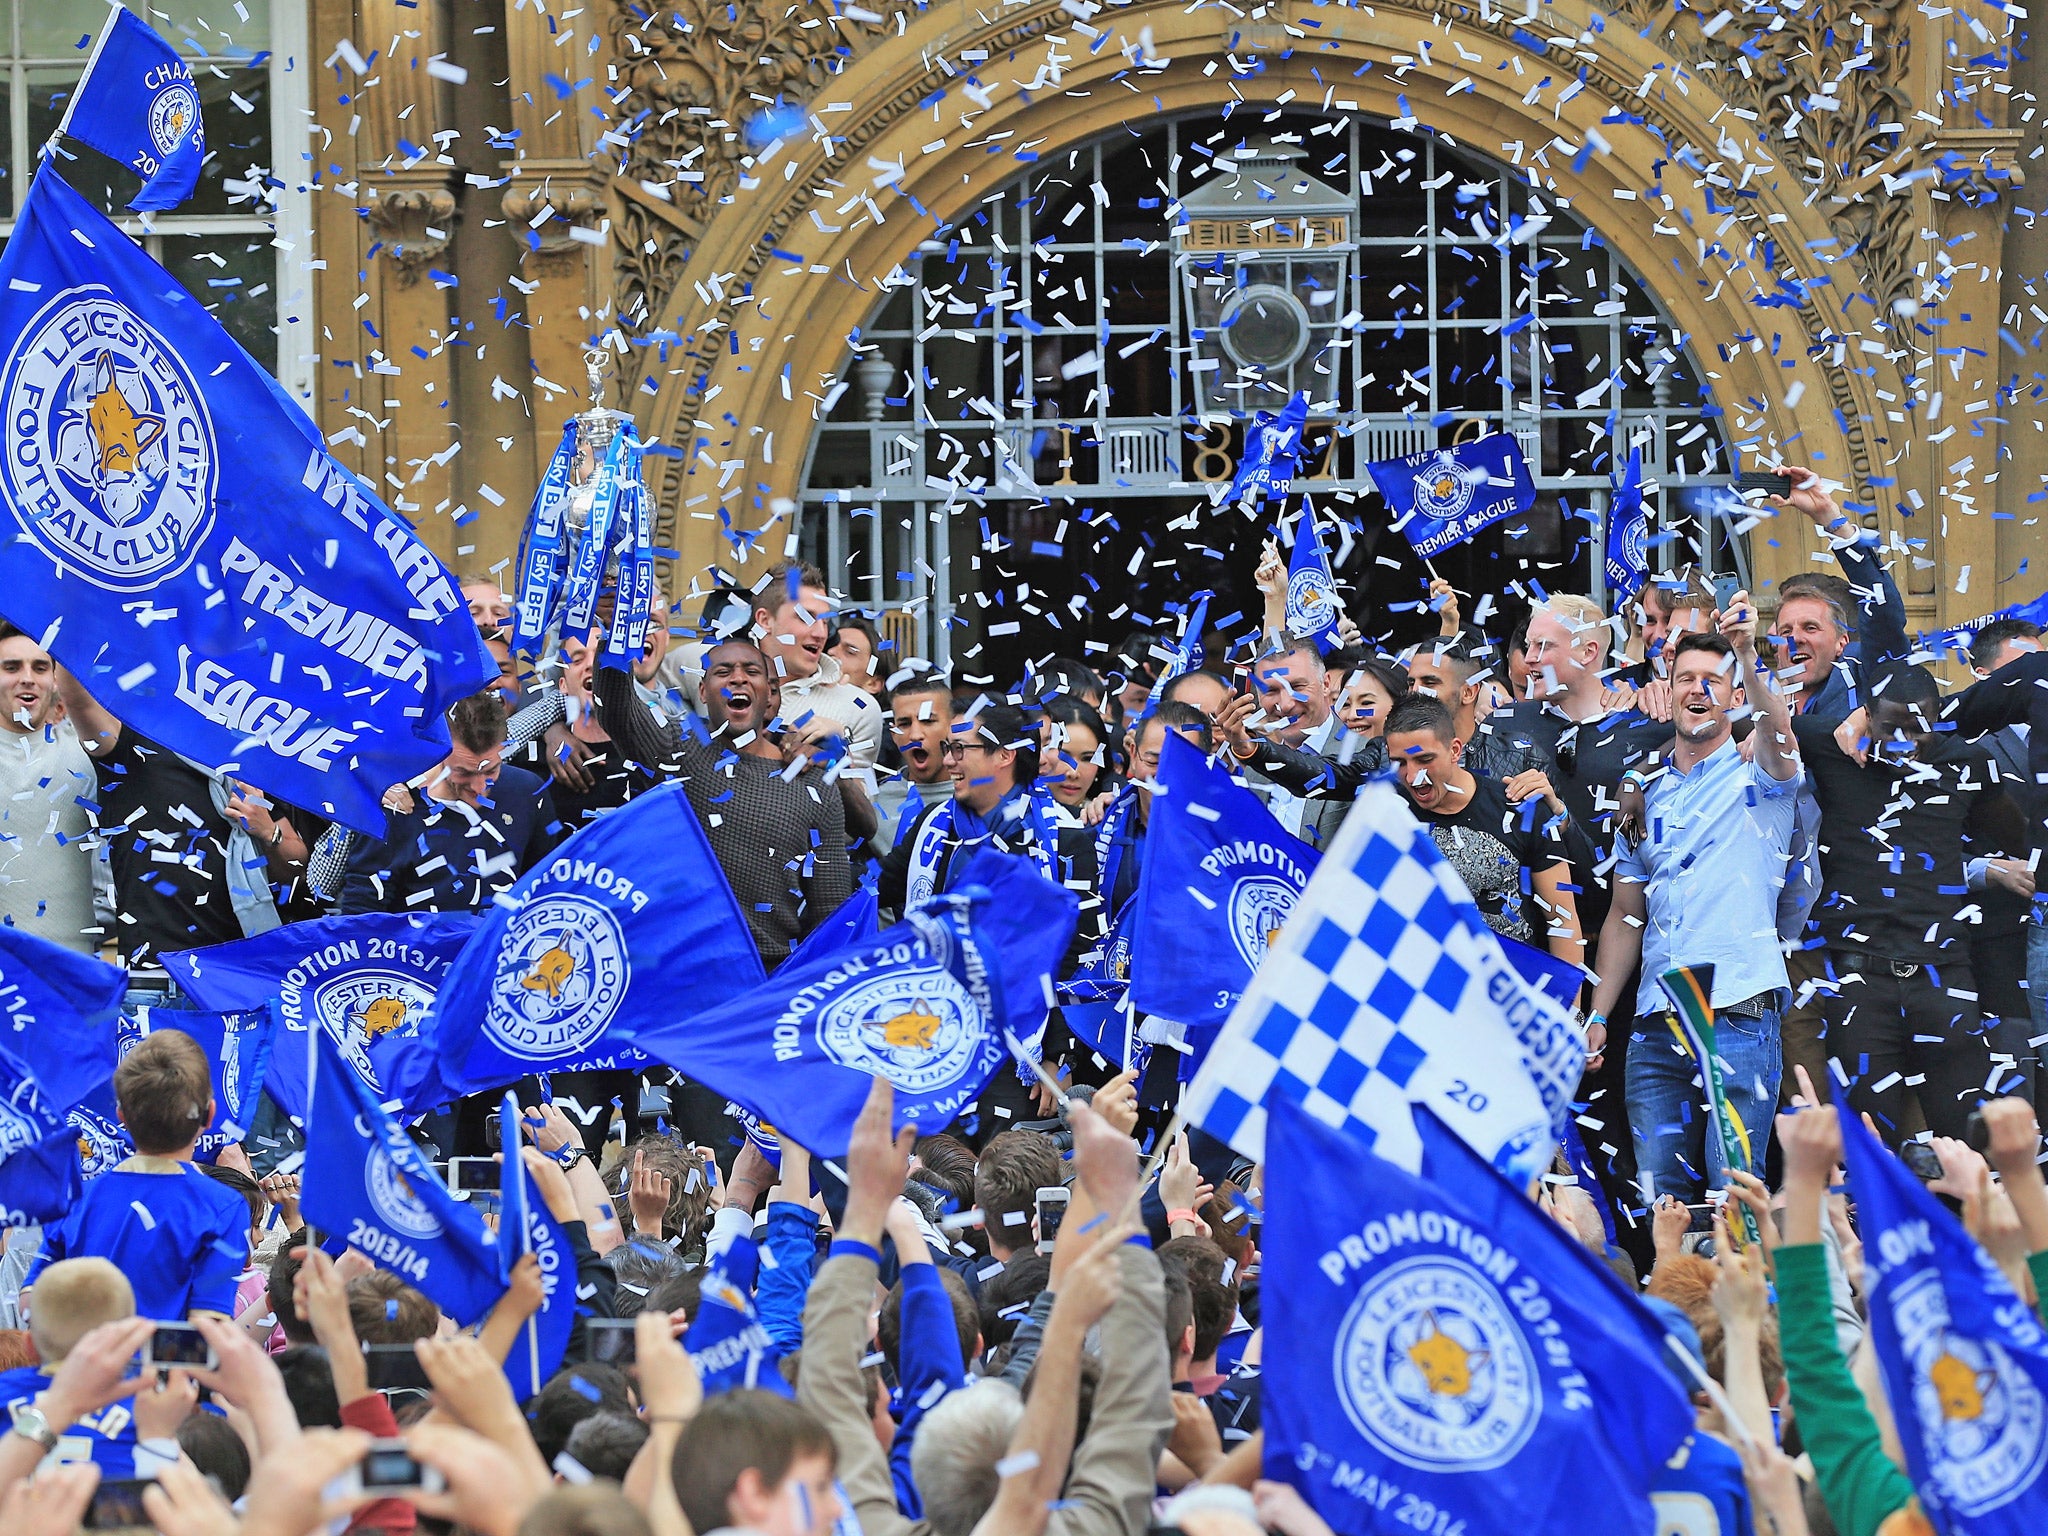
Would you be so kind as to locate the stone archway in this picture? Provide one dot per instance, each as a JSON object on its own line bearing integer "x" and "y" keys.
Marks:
{"x": 748, "y": 335}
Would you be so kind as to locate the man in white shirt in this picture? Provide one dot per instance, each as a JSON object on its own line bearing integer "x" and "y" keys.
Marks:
{"x": 46, "y": 784}
{"x": 791, "y": 620}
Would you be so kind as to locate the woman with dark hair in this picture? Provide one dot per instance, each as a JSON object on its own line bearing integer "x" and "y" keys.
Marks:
{"x": 1075, "y": 752}
{"x": 1374, "y": 687}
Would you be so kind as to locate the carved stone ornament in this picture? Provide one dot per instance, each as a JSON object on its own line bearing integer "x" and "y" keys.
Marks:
{"x": 572, "y": 205}
{"x": 701, "y": 70}
{"x": 413, "y": 226}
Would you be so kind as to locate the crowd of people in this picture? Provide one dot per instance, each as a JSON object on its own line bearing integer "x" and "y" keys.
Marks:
{"x": 1792, "y": 799}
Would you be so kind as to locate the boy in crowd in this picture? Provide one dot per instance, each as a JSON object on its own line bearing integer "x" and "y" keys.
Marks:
{"x": 181, "y": 1238}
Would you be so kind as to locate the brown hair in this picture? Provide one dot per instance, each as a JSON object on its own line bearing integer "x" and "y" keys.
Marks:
{"x": 1012, "y": 1168}
{"x": 17, "y": 1349}
{"x": 385, "y": 1310}
{"x": 774, "y": 590}
{"x": 594, "y": 1509}
{"x": 966, "y": 1317}
{"x": 478, "y": 722}
{"x": 1686, "y": 1281}
{"x": 164, "y": 1088}
{"x": 733, "y": 1431}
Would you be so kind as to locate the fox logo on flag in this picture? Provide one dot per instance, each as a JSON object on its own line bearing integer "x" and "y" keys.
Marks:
{"x": 139, "y": 104}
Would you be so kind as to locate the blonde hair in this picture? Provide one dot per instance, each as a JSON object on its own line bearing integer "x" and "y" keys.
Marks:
{"x": 70, "y": 1299}
{"x": 1581, "y": 614}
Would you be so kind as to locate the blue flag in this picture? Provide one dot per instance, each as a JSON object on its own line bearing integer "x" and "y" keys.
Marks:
{"x": 139, "y": 104}
{"x": 40, "y": 1178}
{"x": 1095, "y": 1001}
{"x": 369, "y": 1184}
{"x": 925, "y": 1004}
{"x": 526, "y": 1225}
{"x": 1965, "y": 1359}
{"x": 1440, "y": 1344}
{"x": 370, "y": 980}
{"x": 726, "y": 1341}
{"x": 1954, "y": 644}
{"x": 1312, "y": 606}
{"x": 629, "y": 926}
{"x": 1387, "y": 989}
{"x": 1559, "y": 980}
{"x": 238, "y": 1048}
{"x": 1188, "y": 654}
{"x": 1272, "y": 453}
{"x": 1628, "y": 531}
{"x": 103, "y": 1141}
{"x": 1219, "y": 880}
{"x": 57, "y": 1014}
{"x": 1443, "y": 496}
{"x": 176, "y": 529}
{"x": 854, "y": 921}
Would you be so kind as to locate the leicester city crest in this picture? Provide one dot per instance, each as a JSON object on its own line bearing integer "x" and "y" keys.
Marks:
{"x": 21, "y": 1123}
{"x": 1444, "y": 487}
{"x": 391, "y": 1194}
{"x": 110, "y": 463}
{"x": 1259, "y": 908}
{"x": 101, "y": 1142}
{"x": 921, "y": 1028}
{"x": 1982, "y": 1420}
{"x": 1433, "y": 1370}
{"x": 174, "y": 113}
{"x": 360, "y": 1007}
{"x": 1311, "y": 602}
{"x": 562, "y": 972}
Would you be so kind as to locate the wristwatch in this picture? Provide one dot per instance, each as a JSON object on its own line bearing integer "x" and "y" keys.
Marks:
{"x": 570, "y": 1155}
{"x": 30, "y": 1424}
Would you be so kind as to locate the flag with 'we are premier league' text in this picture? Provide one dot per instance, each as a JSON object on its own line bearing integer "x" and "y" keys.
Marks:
{"x": 930, "y": 1003}
{"x": 1443, "y": 496}
{"x": 1965, "y": 1359}
{"x": 1437, "y": 1343}
{"x": 178, "y": 535}
{"x": 139, "y": 104}
{"x": 370, "y": 1184}
{"x": 629, "y": 925}
{"x": 369, "y": 980}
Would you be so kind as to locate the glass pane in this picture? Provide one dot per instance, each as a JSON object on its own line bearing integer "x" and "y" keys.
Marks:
{"x": 235, "y": 277}
{"x": 52, "y": 29}
{"x": 218, "y": 27}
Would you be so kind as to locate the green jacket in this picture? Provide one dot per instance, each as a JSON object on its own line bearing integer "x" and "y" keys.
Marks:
{"x": 1860, "y": 1483}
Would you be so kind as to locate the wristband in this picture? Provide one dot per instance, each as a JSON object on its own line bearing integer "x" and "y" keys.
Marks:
{"x": 1183, "y": 1214}
{"x": 1596, "y": 1018}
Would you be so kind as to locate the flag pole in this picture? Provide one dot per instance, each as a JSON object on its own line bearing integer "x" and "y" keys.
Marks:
{"x": 313, "y": 1026}
{"x": 106, "y": 31}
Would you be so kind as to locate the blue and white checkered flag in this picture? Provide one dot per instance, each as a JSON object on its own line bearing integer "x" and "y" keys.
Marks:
{"x": 1387, "y": 988}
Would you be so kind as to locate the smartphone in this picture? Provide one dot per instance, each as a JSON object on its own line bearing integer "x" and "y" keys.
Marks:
{"x": 610, "y": 1340}
{"x": 1975, "y": 1134}
{"x": 1921, "y": 1161}
{"x": 395, "y": 1368}
{"x": 179, "y": 1344}
{"x": 494, "y": 1135}
{"x": 1052, "y": 1210}
{"x": 1725, "y": 588}
{"x": 388, "y": 1467}
{"x": 470, "y": 1175}
{"x": 1753, "y": 485}
{"x": 117, "y": 1505}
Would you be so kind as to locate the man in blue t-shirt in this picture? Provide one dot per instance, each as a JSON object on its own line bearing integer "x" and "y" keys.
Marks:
{"x": 180, "y": 1237}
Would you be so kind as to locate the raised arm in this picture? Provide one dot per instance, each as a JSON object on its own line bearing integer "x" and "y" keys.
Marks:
{"x": 1881, "y": 619}
{"x": 98, "y": 732}
{"x": 1777, "y": 749}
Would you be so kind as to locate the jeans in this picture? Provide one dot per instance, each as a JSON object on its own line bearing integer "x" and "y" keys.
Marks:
{"x": 1676, "y": 1154}
{"x": 1917, "y": 1033}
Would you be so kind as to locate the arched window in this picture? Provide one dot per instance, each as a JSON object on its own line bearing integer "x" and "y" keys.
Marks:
{"x": 1019, "y": 461}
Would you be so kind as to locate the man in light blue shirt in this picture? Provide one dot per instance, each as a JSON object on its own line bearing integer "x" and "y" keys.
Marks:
{"x": 1699, "y": 886}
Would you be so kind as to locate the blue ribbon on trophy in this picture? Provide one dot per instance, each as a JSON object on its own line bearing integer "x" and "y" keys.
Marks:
{"x": 588, "y": 535}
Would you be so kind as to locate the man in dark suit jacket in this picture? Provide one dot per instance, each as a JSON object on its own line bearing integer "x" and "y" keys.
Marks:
{"x": 475, "y": 828}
